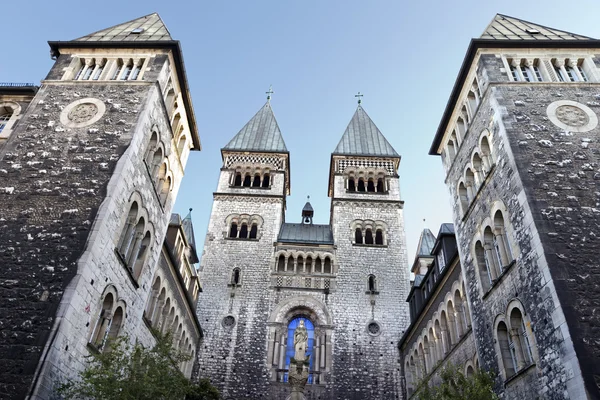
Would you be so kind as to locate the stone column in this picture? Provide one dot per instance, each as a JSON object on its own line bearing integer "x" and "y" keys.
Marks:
{"x": 489, "y": 254}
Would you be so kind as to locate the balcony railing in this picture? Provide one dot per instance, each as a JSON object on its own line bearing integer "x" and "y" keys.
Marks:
{"x": 14, "y": 84}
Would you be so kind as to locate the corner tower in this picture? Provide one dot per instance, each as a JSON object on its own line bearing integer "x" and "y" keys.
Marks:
{"x": 248, "y": 210}
{"x": 368, "y": 307}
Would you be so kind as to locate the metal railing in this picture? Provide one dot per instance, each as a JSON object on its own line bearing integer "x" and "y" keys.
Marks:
{"x": 12, "y": 84}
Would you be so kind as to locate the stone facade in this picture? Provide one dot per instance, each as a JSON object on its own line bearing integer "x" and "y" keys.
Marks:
{"x": 521, "y": 163}
{"x": 348, "y": 291}
{"x": 74, "y": 175}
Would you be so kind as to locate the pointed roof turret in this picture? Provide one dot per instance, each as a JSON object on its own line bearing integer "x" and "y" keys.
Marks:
{"x": 146, "y": 28}
{"x": 504, "y": 27}
{"x": 188, "y": 230}
{"x": 426, "y": 243}
{"x": 261, "y": 133}
{"x": 362, "y": 137}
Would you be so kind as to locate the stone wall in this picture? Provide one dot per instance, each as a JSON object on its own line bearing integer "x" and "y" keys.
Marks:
{"x": 555, "y": 372}
{"x": 66, "y": 190}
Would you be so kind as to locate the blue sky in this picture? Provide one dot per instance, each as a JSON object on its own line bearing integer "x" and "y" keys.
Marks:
{"x": 403, "y": 56}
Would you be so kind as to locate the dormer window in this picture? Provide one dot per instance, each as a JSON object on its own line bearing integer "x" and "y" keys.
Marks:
{"x": 4, "y": 118}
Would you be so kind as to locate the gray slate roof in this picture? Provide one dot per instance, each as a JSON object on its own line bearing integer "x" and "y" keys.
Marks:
{"x": 504, "y": 27}
{"x": 446, "y": 229}
{"x": 362, "y": 137}
{"x": 152, "y": 29}
{"x": 426, "y": 243}
{"x": 261, "y": 133}
{"x": 305, "y": 233}
{"x": 307, "y": 207}
{"x": 418, "y": 280}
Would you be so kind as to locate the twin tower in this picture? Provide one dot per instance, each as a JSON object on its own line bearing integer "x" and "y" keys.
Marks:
{"x": 348, "y": 280}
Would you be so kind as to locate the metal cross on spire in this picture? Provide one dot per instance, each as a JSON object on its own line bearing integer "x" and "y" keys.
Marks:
{"x": 359, "y": 97}
{"x": 270, "y": 92}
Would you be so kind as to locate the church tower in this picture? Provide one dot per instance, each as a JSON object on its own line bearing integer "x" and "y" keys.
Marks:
{"x": 248, "y": 210}
{"x": 90, "y": 170}
{"x": 368, "y": 305}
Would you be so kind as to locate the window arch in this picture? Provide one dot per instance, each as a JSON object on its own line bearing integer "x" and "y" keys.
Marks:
{"x": 361, "y": 185}
{"x": 281, "y": 264}
{"x": 351, "y": 184}
{"x": 253, "y": 231}
{"x": 379, "y": 237}
{"x": 478, "y": 169}
{"x": 368, "y": 236}
{"x": 371, "y": 185}
{"x": 5, "y": 116}
{"x": 464, "y": 197}
{"x": 372, "y": 284}
{"x": 470, "y": 184}
{"x": 506, "y": 345}
{"x": 236, "y": 277}
{"x": 243, "y": 234}
{"x": 181, "y": 144}
{"x": 372, "y": 233}
{"x": 266, "y": 180}
{"x": 520, "y": 338}
{"x": 501, "y": 243}
{"x": 136, "y": 235}
{"x": 358, "y": 236}
{"x": 109, "y": 320}
{"x": 486, "y": 154}
{"x": 243, "y": 226}
{"x": 380, "y": 185}
{"x": 256, "y": 180}
{"x": 237, "y": 181}
{"x": 233, "y": 230}
{"x": 247, "y": 180}
{"x": 327, "y": 266}
{"x": 445, "y": 333}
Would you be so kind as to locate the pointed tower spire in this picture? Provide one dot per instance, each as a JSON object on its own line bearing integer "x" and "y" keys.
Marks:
{"x": 307, "y": 212}
{"x": 363, "y": 137}
{"x": 147, "y": 28}
{"x": 261, "y": 133}
{"x": 188, "y": 229}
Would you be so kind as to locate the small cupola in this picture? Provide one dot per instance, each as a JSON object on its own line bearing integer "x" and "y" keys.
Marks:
{"x": 307, "y": 213}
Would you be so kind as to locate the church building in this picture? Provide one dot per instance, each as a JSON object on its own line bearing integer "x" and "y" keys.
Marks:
{"x": 344, "y": 281}
{"x": 519, "y": 144}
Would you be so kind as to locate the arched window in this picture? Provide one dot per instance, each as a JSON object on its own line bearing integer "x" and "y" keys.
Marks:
{"x": 444, "y": 331}
{"x": 235, "y": 276}
{"x": 281, "y": 263}
{"x": 128, "y": 233}
{"x": 266, "y": 181}
{"x": 380, "y": 186}
{"x": 492, "y": 258}
{"x": 309, "y": 265}
{"x": 379, "y": 237}
{"x": 327, "y": 266}
{"x": 152, "y": 299}
{"x": 422, "y": 360}
{"x": 318, "y": 266}
{"x": 507, "y": 350}
{"x": 88, "y": 72}
{"x": 433, "y": 354}
{"x": 253, "y": 231}
{"x": 501, "y": 243}
{"x": 427, "y": 355}
{"x": 244, "y": 231}
{"x": 486, "y": 155}
{"x": 520, "y": 338}
{"x": 136, "y": 69}
{"x": 477, "y": 166}
{"x": 103, "y": 322}
{"x": 290, "y": 350}
{"x": 469, "y": 372}
{"x": 361, "y": 185}
{"x": 5, "y": 116}
{"x": 370, "y": 185}
{"x": 368, "y": 236}
{"x": 470, "y": 183}
{"x": 166, "y": 188}
{"x": 300, "y": 264}
{"x": 452, "y": 323}
{"x": 451, "y": 151}
{"x": 115, "y": 326}
{"x": 127, "y": 70}
{"x": 142, "y": 254}
{"x": 117, "y": 71}
{"x": 464, "y": 198}
{"x": 290, "y": 264}
{"x": 372, "y": 284}
{"x": 238, "y": 179}
{"x": 461, "y": 128}
{"x": 233, "y": 231}
{"x": 182, "y": 143}
{"x": 358, "y": 237}
{"x": 256, "y": 181}
{"x": 247, "y": 180}
{"x": 472, "y": 101}
{"x": 351, "y": 185}
{"x": 440, "y": 339}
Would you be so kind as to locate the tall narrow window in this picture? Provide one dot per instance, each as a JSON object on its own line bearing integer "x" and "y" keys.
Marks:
{"x": 370, "y": 185}
{"x": 281, "y": 264}
{"x": 368, "y": 236}
{"x": 571, "y": 73}
{"x": 327, "y": 266}
{"x": 253, "y": 231}
{"x": 506, "y": 350}
{"x": 537, "y": 73}
{"x": 483, "y": 266}
{"x": 361, "y": 185}
{"x": 244, "y": 231}
{"x": 88, "y": 71}
{"x": 379, "y": 237}
{"x": 103, "y": 322}
{"x": 351, "y": 185}
{"x": 318, "y": 266}
{"x": 136, "y": 69}
{"x": 582, "y": 73}
{"x": 127, "y": 70}
{"x": 380, "y": 187}
{"x": 309, "y": 266}
{"x": 515, "y": 74}
{"x": 358, "y": 237}
{"x": 118, "y": 68}
{"x": 247, "y": 180}
{"x": 559, "y": 74}
{"x": 233, "y": 231}
{"x": 527, "y": 74}
{"x": 256, "y": 181}
{"x": 80, "y": 70}
{"x": 372, "y": 284}
{"x": 235, "y": 277}
{"x": 99, "y": 70}
{"x": 266, "y": 181}
{"x": 4, "y": 118}
{"x": 238, "y": 179}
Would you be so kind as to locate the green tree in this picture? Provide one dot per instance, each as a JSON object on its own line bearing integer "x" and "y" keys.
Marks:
{"x": 455, "y": 385}
{"x": 134, "y": 372}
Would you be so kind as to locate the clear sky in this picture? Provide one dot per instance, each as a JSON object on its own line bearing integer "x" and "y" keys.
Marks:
{"x": 402, "y": 55}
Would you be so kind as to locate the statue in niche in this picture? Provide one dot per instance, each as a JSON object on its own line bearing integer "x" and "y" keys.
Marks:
{"x": 300, "y": 341}
{"x": 298, "y": 372}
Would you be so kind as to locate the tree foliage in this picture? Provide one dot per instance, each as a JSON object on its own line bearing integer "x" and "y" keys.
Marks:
{"x": 455, "y": 385}
{"x": 134, "y": 372}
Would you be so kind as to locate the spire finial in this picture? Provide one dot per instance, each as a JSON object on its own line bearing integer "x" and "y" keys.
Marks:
{"x": 424, "y": 224}
{"x": 308, "y": 198}
{"x": 270, "y": 92}
{"x": 359, "y": 97}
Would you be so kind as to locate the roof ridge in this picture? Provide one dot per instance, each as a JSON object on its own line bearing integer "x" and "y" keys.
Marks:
{"x": 525, "y": 34}
{"x": 123, "y": 26}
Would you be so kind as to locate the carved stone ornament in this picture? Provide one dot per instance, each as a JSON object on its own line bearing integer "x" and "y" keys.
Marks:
{"x": 228, "y": 321}
{"x": 82, "y": 113}
{"x": 572, "y": 116}
{"x": 374, "y": 328}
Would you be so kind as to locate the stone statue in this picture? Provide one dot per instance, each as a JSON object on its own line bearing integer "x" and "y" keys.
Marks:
{"x": 298, "y": 372}
{"x": 300, "y": 341}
